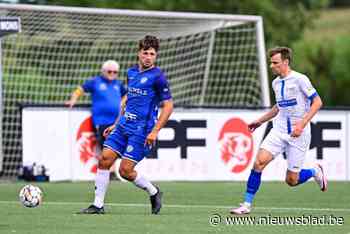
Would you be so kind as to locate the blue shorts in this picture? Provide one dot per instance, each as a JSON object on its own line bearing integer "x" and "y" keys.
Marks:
{"x": 128, "y": 143}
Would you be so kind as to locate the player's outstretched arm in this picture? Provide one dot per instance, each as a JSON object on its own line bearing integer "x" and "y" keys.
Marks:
{"x": 165, "y": 113}
{"x": 299, "y": 126}
{"x": 74, "y": 97}
{"x": 266, "y": 117}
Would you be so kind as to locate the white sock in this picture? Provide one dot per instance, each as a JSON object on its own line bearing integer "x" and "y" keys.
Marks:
{"x": 144, "y": 184}
{"x": 101, "y": 185}
{"x": 247, "y": 204}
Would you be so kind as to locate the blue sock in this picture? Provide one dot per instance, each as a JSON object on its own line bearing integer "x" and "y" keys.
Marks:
{"x": 253, "y": 184}
{"x": 305, "y": 175}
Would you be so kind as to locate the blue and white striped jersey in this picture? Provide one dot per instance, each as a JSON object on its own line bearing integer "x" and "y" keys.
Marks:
{"x": 293, "y": 94}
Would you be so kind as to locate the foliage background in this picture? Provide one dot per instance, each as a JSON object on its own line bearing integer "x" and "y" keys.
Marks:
{"x": 316, "y": 30}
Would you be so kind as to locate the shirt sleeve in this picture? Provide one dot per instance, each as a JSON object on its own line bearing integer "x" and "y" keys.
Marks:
{"x": 88, "y": 86}
{"x": 307, "y": 88}
{"x": 162, "y": 88}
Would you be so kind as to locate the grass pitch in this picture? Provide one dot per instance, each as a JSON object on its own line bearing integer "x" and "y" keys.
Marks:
{"x": 187, "y": 208}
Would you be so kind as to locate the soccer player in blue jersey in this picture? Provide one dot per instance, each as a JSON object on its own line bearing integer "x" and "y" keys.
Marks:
{"x": 297, "y": 102}
{"x": 106, "y": 95}
{"x": 136, "y": 131}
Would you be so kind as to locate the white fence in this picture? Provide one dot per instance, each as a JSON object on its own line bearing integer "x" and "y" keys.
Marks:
{"x": 195, "y": 145}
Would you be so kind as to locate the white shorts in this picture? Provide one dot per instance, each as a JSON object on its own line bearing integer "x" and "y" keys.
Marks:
{"x": 294, "y": 147}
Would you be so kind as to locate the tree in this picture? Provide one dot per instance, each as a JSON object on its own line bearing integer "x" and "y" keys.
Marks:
{"x": 282, "y": 27}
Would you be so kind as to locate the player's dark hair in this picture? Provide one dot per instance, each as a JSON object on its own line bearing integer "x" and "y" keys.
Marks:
{"x": 149, "y": 42}
{"x": 286, "y": 53}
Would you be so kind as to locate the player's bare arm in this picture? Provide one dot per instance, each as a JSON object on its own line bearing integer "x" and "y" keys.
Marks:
{"x": 123, "y": 104}
{"x": 167, "y": 109}
{"x": 75, "y": 96}
{"x": 122, "y": 109}
{"x": 300, "y": 125}
{"x": 266, "y": 117}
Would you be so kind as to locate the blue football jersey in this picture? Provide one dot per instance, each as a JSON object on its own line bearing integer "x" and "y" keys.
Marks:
{"x": 146, "y": 90}
{"x": 106, "y": 97}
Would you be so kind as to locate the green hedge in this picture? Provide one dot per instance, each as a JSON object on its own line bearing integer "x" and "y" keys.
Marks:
{"x": 327, "y": 63}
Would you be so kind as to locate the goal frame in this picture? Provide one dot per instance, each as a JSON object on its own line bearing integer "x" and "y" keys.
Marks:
{"x": 166, "y": 14}
{"x": 221, "y": 18}
{"x": 8, "y": 25}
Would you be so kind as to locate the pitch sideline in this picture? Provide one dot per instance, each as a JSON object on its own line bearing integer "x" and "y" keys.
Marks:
{"x": 196, "y": 206}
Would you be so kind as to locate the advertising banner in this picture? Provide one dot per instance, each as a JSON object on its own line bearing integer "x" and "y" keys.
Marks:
{"x": 60, "y": 139}
{"x": 206, "y": 145}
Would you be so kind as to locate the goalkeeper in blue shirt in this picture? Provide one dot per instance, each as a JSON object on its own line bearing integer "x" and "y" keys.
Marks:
{"x": 133, "y": 135}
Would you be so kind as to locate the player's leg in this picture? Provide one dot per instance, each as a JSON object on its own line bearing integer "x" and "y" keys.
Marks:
{"x": 135, "y": 152}
{"x": 100, "y": 139}
{"x": 295, "y": 159}
{"x": 103, "y": 175}
{"x": 128, "y": 172}
{"x": 101, "y": 182}
{"x": 297, "y": 175}
{"x": 113, "y": 148}
{"x": 271, "y": 147}
{"x": 294, "y": 178}
{"x": 264, "y": 157}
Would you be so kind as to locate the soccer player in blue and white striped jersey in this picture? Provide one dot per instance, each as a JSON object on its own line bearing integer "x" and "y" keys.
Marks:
{"x": 297, "y": 102}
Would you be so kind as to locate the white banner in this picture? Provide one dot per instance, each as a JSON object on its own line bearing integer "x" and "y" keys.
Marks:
{"x": 226, "y": 153}
{"x": 195, "y": 145}
{"x": 60, "y": 139}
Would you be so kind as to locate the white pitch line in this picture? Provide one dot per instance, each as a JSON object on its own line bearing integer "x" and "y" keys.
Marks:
{"x": 196, "y": 206}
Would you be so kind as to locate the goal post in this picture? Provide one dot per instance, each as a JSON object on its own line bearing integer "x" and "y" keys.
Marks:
{"x": 8, "y": 26}
{"x": 211, "y": 60}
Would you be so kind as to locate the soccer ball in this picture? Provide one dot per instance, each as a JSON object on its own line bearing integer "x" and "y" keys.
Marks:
{"x": 30, "y": 196}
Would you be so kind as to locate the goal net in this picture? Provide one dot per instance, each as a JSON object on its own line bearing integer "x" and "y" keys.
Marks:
{"x": 211, "y": 60}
